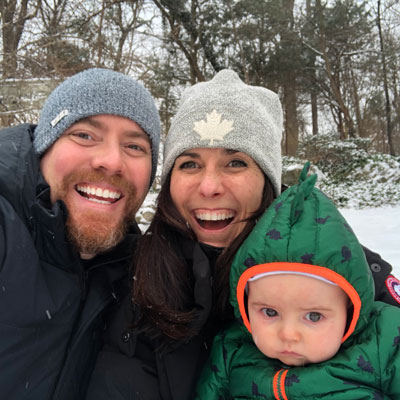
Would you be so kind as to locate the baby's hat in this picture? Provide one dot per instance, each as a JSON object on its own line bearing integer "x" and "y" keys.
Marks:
{"x": 303, "y": 232}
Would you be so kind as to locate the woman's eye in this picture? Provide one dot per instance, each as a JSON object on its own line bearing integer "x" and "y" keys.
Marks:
{"x": 237, "y": 164}
{"x": 269, "y": 312}
{"x": 188, "y": 165}
{"x": 314, "y": 316}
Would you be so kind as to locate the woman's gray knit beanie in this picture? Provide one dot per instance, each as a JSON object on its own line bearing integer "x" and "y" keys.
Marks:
{"x": 227, "y": 113}
{"x": 93, "y": 92}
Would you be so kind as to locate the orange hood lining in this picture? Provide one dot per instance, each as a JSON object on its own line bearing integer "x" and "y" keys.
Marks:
{"x": 304, "y": 268}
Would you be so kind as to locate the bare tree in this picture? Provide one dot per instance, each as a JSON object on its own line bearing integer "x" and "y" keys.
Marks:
{"x": 344, "y": 120}
{"x": 385, "y": 81}
{"x": 14, "y": 15}
{"x": 311, "y": 76}
{"x": 288, "y": 80}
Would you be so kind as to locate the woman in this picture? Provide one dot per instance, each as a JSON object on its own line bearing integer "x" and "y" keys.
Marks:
{"x": 222, "y": 169}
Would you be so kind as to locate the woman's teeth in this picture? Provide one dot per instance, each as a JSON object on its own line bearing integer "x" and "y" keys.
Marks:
{"x": 210, "y": 216}
{"x": 214, "y": 220}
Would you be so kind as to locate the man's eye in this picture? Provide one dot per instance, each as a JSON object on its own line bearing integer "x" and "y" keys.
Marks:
{"x": 135, "y": 147}
{"x": 269, "y": 312}
{"x": 83, "y": 135}
{"x": 237, "y": 164}
{"x": 314, "y": 316}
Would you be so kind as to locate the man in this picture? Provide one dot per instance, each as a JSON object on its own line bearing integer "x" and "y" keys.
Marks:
{"x": 69, "y": 191}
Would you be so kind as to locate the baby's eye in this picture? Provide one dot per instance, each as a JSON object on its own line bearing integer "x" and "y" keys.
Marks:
{"x": 237, "y": 164}
{"x": 314, "y": 316}
{"x": 269, "y": 312}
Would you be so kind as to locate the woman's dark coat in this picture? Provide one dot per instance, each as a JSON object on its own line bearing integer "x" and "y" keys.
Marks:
{"x": 52, "y": 306}
{"x": 131, "y": 367}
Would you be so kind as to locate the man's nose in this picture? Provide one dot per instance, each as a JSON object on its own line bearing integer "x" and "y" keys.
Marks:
{"x": 108, "y": 157}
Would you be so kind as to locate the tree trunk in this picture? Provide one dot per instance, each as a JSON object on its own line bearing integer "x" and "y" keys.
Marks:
{"x": 356, "y": 99}
{"x": 289, "y": 83}
{"x": 313, "y": 80}
{"x": 385, "y": 83}
{"x": 13, "y": 22}
{"x": 291, "y": 121}
{"x": 314, "y": 112}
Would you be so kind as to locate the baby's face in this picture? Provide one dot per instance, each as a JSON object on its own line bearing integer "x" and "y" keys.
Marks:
{"x": 297, "y": 319}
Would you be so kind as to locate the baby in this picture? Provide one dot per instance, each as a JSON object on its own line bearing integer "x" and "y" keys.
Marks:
{"x": 295, "y": 318}
{"x": 309, "y": 326}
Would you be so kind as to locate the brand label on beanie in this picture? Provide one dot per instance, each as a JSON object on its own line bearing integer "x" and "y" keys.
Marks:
{"x": 59, "y": 117}
{"x": 213, "y": 128}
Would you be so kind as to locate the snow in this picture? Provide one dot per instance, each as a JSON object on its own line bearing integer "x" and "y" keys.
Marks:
{"x": 379, "y": 230}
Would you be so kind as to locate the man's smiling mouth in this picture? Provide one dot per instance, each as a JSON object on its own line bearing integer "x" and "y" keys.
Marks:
{"x": 98, "y": 195}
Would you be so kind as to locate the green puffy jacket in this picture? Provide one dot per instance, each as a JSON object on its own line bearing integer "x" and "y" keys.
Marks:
{"x": 304, "y": 227}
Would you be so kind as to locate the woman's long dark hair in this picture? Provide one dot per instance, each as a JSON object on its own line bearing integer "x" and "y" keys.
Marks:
{"x": 163, "y": 283}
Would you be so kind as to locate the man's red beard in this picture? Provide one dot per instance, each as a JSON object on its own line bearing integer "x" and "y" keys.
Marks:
{"x": 92, "y": 232}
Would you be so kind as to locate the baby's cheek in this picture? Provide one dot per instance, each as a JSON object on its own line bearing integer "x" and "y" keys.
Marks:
{"x": 255, "y": 339}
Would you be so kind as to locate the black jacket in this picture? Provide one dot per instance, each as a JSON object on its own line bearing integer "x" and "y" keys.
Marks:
{"x": 52, "y": 306}
{"x": 132, "y": 367}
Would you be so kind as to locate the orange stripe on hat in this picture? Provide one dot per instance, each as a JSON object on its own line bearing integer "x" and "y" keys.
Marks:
{"x": 322, "y": 272}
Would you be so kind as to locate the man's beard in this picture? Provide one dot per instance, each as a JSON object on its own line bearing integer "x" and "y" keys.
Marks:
{"x": 92, "y": 232}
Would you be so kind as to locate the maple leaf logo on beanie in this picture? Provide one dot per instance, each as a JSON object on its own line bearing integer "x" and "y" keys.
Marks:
{"x": 213, "y": 128}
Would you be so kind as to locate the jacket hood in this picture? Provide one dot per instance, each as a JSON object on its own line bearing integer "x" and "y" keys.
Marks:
{"x": 19, "y": 167}
{"x": 23, "y": 186}
{"x": 303, "y": 232}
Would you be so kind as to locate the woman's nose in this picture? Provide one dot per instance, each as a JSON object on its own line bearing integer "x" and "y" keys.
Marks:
{"x": 211, "y": 184}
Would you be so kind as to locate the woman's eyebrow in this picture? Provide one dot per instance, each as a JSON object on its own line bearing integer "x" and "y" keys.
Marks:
{"x": 193, "y": 154}
{"x": 230, "y": 151}
{"x": 189, "y": 154}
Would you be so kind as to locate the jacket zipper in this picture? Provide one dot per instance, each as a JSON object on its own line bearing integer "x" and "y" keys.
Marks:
{"x": 279, "y": 384}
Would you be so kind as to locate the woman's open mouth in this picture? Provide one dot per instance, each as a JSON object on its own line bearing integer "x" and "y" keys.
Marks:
{"x": 212, "y": 220}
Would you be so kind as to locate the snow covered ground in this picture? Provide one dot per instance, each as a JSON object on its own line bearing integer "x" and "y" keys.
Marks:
{"x": 379, "y": 230}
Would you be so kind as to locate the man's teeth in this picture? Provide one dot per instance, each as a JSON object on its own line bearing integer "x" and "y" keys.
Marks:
{"x": 209, "y": 216}
{"x": 105, "y": 194}
{"x": 98, "y": 201}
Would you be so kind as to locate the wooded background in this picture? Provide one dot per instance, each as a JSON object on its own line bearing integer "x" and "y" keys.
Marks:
{"x": 334, "y": 63}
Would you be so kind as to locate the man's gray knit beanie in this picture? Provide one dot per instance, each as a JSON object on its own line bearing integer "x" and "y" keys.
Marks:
{"x": 227, "y": 113}
{"x": 93, "y": 92}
